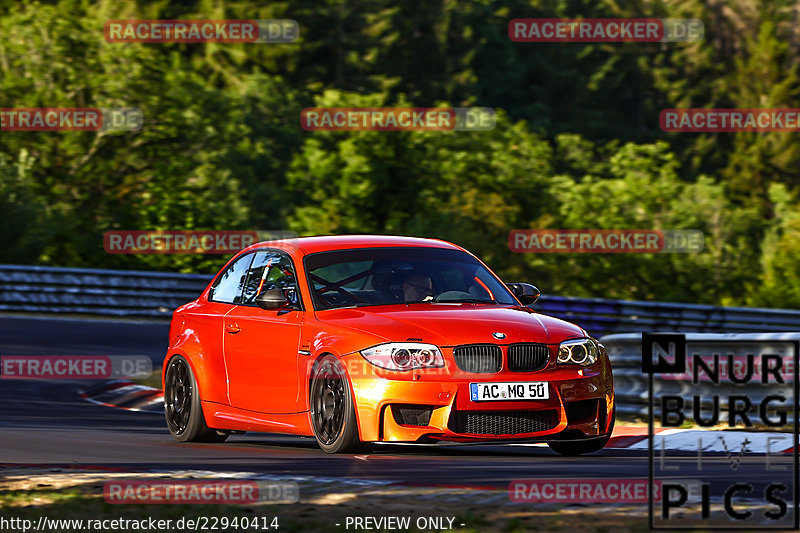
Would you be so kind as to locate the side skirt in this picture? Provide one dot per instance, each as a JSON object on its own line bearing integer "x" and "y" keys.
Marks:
{"x": 225, "y": 417}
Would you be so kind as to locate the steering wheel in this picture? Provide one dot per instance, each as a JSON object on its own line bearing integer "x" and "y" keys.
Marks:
{"x": 453, "y": 296}
{"x": 344, "y": 292}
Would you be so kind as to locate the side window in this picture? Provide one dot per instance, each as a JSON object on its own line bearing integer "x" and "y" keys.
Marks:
{"x": 270, "y": 270}
{"x": 228, "y": 287}
{"x": 255, "y": 277}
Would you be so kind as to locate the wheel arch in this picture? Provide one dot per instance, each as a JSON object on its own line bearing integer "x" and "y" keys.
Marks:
{"x": 195, "y": 366}
{"x": 319, "y": 357}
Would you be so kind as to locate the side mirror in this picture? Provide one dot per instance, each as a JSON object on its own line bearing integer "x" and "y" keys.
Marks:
{"x": 272, "y": 299}
{"x": 525, "y": 292}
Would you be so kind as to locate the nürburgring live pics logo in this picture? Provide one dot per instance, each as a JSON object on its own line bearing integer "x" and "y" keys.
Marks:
{"x": 739, "y": 383}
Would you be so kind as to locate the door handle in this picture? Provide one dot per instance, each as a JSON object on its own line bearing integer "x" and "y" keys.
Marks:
{"x": 232, "y": 328}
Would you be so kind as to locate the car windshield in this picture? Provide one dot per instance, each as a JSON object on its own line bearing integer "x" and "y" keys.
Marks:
{"x": 386, "y": 276}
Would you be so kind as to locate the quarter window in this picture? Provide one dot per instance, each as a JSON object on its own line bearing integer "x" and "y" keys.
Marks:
{"x": 228, "y": 286}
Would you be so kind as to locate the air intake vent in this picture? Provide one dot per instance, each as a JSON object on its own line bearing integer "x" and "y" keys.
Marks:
{"x": 528, "y": 357}
{"x": 478, "y": 358}
{"x": 412, "y": 415}
{"x": 584, "y": 411}
{"x": 502, "y": 422}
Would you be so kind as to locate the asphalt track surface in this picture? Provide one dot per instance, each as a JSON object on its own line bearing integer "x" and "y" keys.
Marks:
{"x": 46, "y": 422}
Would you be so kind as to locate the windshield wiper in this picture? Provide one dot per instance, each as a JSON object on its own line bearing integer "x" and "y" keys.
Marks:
{"x": 466, "y": 300}
{"x": 351, "y": 306}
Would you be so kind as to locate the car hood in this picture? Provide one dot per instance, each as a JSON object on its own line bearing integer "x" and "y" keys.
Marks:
{"x": 452, "y": 325}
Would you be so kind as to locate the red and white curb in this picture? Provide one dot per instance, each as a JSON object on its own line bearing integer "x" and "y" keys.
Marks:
{"x": 690, "y": 440}
{"x": 124, "y": 394}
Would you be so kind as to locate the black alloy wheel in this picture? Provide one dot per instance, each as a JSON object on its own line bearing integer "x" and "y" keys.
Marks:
{"x": 182, "y": 407}
{"x": 332, "y": 410}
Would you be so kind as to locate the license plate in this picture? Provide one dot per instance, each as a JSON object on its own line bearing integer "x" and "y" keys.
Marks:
{"x": 528, "y": 390}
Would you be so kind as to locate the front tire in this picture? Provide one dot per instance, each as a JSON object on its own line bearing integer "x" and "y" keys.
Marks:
{"x": 182, "y": 407}
{"x": 332, "y": 410}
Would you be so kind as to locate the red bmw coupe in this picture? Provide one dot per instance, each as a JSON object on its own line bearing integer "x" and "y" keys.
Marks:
{"x": 362, "y": 339}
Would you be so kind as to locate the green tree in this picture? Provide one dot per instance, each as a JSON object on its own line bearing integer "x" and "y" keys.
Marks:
{"x": 640, "y": 188}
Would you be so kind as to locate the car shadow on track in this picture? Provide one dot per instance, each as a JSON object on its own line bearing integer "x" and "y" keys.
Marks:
{"x": 286, "y": 443}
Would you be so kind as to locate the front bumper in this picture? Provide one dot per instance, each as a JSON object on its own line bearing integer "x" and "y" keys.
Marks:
{"x": 435, "y": 404}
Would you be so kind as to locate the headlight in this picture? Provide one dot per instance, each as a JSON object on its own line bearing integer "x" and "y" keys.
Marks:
{"x": 582, "y": 352}
{"x": 404, "y": 356}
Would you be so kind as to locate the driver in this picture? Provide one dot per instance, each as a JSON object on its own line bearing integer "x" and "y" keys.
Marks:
{"x": 417, "y": 287}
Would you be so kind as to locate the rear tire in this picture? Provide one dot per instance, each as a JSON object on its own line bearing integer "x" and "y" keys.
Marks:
{"x": 182, "y": 408}
{"x": 332, "y": 410}
{"x": 590, "y": 446}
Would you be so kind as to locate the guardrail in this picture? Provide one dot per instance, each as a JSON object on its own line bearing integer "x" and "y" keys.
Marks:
{"x": 600, "y": 316}
{"x": 122, "y": 293}
{"x": 130, "y": 293}
{"x": 631, "y": 385}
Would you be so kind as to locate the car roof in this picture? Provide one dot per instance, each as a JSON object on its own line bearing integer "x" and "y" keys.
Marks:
{"x": 310, "y": 245}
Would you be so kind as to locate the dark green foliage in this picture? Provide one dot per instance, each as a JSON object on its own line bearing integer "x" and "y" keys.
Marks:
{"x": 577, "y": 142}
